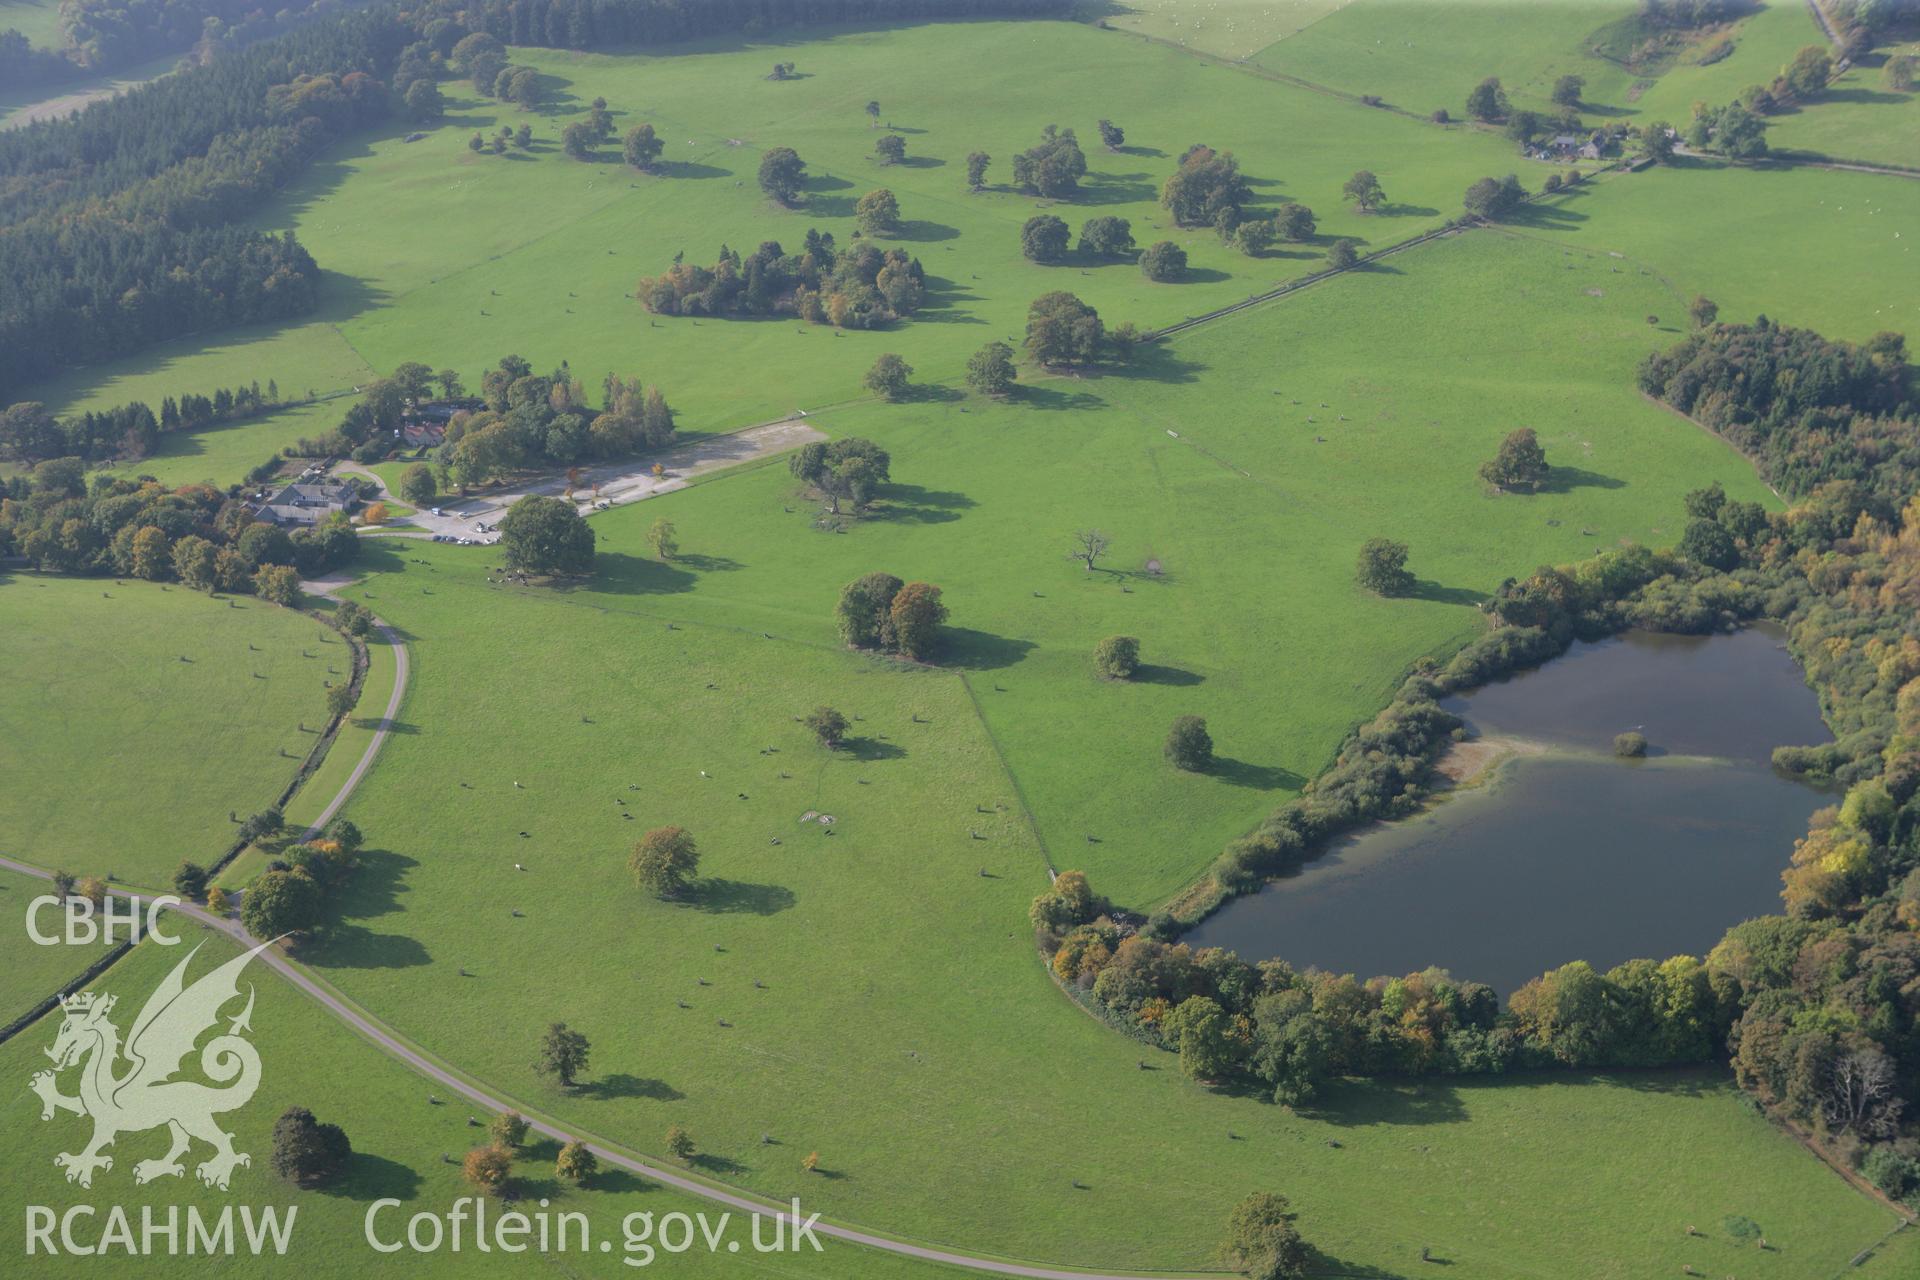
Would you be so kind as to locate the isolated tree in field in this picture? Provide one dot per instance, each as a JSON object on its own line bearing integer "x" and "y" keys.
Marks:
{"x": 852, "y": 469}
{"x": 643, "y": 147}
{"x": 577, "y": 140}
{"x": 1520, "y": 463}
{"x": 508, "y": 1129}
{"x": 890, "y": 149}
{"x": 1382, "y": 567}
{"x": 1112, "y": 136}
{"x": 1900, "y": 72}
{"x": 562, "y": 1054}
{"x": 1655, "y": 141}
{"x": 576, "y": 1164}
{"x": 416, "y": 484}
{"x": 546, "y": 536}
{"x": 1343, "y": 253}
{"x": 828, "y": 726}
{"x": 660, "y": 536}
{"x": 1262, "y": 1241}
{"x": 865, "y": 611}
{"x": 1567, "y": 90}
{"x": 306, "y": 1152}
{"x": 190, "y": 881}
{"x": 1117, "y": 657}
{"x": 1189, "y": 746}
{"x": 877, "y": 212}
{"x": 1703, "y": 310}
{"x": 1364, "y": 189}
{"x": 280, "y": 902}
{"x": 1061, "y": 329}
{"x": 1488, "y": 101}
{"x": 664, "y": 860}
{"x": 487, "y": 1169}
{"x": 1495, "y": 197}
{"x": 1106, "y": 237}
{"x": 916, "y": 613}
{"x": 1044, "y": 238}
{"x": 1163, "y": 262}
{"x": 1088, "y": 546}
{"x": 1294, "y": 222}
{"x": 340, "y": 698}
{"x": 888, "y": 377}
{"x": 873, "y": 113}
{"x": 679, "y": 1141}
{"x": 782, "y": 174}
{"x": 1053, "y": 167}
{"x": 990, "y": 370}
{"x": 812, "y": 1162}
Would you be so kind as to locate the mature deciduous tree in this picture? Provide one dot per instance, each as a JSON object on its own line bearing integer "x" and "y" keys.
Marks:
{"x": 1189, "y": 746}
{"x": 1382, "y": 567}
{"x": 307, "y": 1152}
{"x": 1364, "y": 189}
{"x": 990, "y": 370}
{"x": 1061, "y": 329}
{"x": 1163, "y": 262}
{"x": 563, "y": 1053}
{"x": 546, "y": 536}
{"x": 1520, "y": 462}
{"x": 782, "y": 174}
{"x": 917, "y": 613}
{"x": 664, "y": 861}
{"x": 1044, "y": 238}
{"x": 1117, "y": 657}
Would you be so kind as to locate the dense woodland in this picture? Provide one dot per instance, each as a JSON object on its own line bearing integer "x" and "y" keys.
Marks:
{"x": 117, "y": 223}
{"x": 1818, "y": 1008}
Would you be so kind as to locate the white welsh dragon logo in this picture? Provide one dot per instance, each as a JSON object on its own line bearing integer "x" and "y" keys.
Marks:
{"x": 145, "y": 1096}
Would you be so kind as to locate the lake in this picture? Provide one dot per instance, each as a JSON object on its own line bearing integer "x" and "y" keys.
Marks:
{"x": 1570, "y": 854}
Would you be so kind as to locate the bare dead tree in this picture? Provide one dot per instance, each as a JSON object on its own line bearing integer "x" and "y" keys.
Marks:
{"x": 1089, "y": 545}
{"x": 1862, "y": 1095}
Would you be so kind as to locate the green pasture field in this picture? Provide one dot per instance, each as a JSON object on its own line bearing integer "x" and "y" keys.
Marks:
{"x": 1423, "y": 54}
{"x": 1818, "y": 248}
{"x": 33, "y": 971}
{"x": 549, "y": 248}
{"x": 699, "y": 667}
{"x": 902, "y": 1023}
{"x": 1225, "y": 28}
{"x": 401, "y": 1141}
{"x": 122, "y": 759}
{"x": 1858, "y": 118}
{"x": 37, "y": 20}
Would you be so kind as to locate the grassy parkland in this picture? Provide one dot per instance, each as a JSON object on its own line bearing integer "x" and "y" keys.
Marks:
{"x": 151, "y": 714}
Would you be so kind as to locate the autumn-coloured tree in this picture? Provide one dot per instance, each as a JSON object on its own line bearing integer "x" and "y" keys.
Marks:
{"x": 812, "y": 1162}
{"x": 93, "y": 889}
{"x": 488, "y": 1169}
{"x": 576, "y": 1164}
{"x": 217, "y": 901}
{"x": 375, "y": 514}
{"x": 917, "y": 614}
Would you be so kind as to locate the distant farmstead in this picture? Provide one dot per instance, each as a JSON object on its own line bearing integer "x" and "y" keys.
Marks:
{"x": 425, "y": 425}
{"x": 307, "y": 503}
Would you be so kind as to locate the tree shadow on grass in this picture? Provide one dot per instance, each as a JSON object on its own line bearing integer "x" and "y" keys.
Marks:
{"x": 921, "y": 162}
{"x": 1175, "y": 677}
{"x": 1114, "y": 188}
{"x": 1155, "y": 362}
{"x": 376, "y": 885}
{"x": 1397, "y": 210}
{"x": 720, "y": 1165}
{"x": 1261, "y": 777}
{"x": 680, "y": 170}
{"x": 618, "y": 1181}
{"x": 1052, "y": 398}
{"x": 1544, "y": 217}
{"x": 617, "y": 573}
{"x": 349, "y": 946}
{"x": 971, "y": 650}
{"x": 719, "y": 896}
{"x": 921, "y": 231}
{"x": 622, "y": 1085}
{"x": 920, "y": 496}
{"x": 868, "y": 749}
{"x": 1388, "y": 1102}
{"x": 708, "y": 564}
{"x": 1424, "y": 589}
{"x": 370, "y": 1177}
{"x": 1566, "y": 479}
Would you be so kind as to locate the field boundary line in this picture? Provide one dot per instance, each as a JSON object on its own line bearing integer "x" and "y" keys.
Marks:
{"x": 1000, "y": 755}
